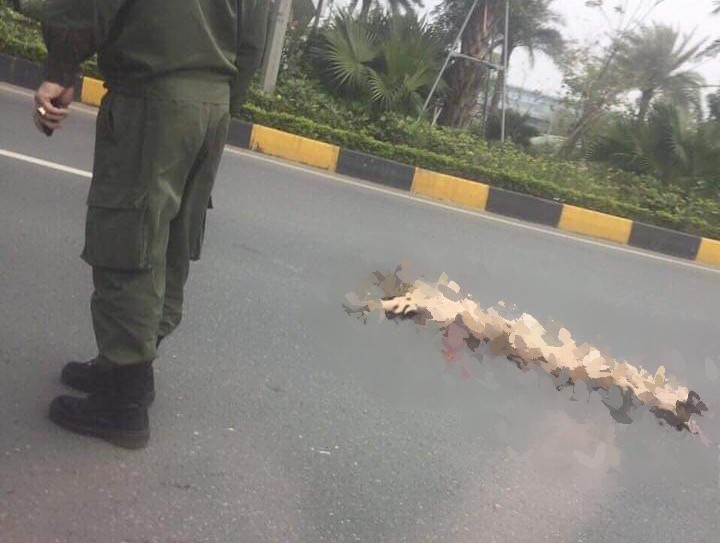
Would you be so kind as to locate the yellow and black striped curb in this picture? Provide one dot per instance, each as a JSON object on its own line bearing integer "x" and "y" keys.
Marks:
{"x": 462, "y": 192}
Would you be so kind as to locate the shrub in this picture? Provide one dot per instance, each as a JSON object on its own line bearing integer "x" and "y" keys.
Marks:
{"x": 518, "y": 128}
{"x": 20, "y": 36}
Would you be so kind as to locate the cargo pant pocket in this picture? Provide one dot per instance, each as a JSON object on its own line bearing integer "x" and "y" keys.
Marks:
{"x": 117, "y": 230}
{"x": 197, "y": 237}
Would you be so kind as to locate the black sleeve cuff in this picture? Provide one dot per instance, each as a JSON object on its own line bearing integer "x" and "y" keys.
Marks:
{"x": 237, "y": 101}
{"x": 239, "y": 90}
{"x": 62, "y": 74}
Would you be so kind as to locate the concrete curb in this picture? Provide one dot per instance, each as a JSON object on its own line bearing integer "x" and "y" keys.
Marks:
{"x": 435, "y": 185}
{"x": 375, "y": 169}
{"x": 524, "y": 207}
{"x": 664, "y": 241}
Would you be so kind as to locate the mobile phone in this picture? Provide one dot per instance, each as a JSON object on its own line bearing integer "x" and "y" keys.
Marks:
{"x": 49, "y": 131}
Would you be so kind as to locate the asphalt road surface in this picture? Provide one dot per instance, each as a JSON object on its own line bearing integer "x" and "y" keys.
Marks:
{"x": 280, "y": 419}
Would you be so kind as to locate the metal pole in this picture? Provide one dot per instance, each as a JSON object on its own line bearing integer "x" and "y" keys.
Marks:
{"x": 505, "y": 70}
{"x": 434, "y": 87}
{"x": 271, "y": 66}
{"x": 447, "y": 60}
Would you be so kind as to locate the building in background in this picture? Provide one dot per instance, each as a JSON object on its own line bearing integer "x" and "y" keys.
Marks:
{"x": 541, "y": 108}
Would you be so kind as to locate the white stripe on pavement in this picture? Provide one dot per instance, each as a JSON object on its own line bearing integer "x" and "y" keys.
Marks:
{"x": 46, "y": 163}
{"x": 483, "y": 215}
{"x": 335, "y": 177}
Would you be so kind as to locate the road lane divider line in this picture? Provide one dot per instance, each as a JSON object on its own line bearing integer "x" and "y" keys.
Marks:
{"x": 502, "y": 202}
{"x": 707, "y": 259}
{"x": 46, "y": 163}
{"x": 542, "y": 211}
{"x": 483, "y": 215}
{"x": 366, "y": 185}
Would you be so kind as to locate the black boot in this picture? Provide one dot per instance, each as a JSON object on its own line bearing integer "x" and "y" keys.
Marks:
{"x": 93, "y": 376}
{"x": 118, "y": 415}
{"x": 96, "y": 376}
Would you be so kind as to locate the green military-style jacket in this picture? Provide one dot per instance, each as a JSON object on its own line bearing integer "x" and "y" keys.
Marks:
{"x": 206, "y": 50}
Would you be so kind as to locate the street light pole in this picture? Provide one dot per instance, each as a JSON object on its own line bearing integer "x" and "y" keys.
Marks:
{"x": 505, "y": 70}
{"x": 271, "y": 66}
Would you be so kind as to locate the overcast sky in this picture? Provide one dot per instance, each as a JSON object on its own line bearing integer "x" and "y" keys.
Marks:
{"x": 584, "y": 24}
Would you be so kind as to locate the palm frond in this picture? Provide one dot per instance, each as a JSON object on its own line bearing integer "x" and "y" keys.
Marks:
{"x": 652, "y": 60}
{"x": 349, "y": 46}
{"x": 391, "y": 61}
{"x": 712, "y": 50}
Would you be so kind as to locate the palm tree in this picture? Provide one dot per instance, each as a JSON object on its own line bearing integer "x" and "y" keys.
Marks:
{"x": 316, "y": 18}
{"x": 714, "y": 48}
{"x": 465, "y": 79}
{"x": 408, "y": 6}
{"x": 668, "y": 145}
{"x": 389, "y": 61}
{"x": 652, "y": 61}
{"x": 713, "y": 102}
{"x": 346, "y": 49}
{"x": 531, "y": 28}
{"x": 517, "y": 128}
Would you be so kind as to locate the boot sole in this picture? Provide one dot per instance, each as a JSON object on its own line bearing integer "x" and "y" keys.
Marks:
{"x": 126, "y": 439}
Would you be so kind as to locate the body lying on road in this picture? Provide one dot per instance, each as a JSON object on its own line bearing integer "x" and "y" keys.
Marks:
{"x": 527, "y": 343}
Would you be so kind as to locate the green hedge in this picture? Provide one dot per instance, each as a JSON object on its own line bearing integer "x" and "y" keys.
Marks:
{"x": 20, "y": 36}
{"x": 447, "y": 150}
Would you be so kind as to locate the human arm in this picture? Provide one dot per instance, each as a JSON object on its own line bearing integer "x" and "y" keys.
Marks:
{"x": 253, "y": 25}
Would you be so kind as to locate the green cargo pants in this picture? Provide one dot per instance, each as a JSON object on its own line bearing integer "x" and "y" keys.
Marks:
{"x": 154, "y": 170}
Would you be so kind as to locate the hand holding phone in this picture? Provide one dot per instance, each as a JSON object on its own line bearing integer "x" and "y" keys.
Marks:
{"x": 51, "y": 106}
{"x": 49, "y": 131}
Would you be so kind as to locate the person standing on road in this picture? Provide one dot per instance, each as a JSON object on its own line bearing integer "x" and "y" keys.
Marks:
{"x": 175, "y": 74}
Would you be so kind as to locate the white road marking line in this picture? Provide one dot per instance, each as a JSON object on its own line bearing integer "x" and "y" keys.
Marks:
{"x": 414, "y": 197}
{"x": 46, "y": 163}
{"x": 479, "y": 214}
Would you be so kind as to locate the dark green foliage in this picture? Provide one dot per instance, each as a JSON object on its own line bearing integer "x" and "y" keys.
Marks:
{"x": 20, "y": 36}
{"x": 517, "y": 127}
{"x": 390, "y": 62}
{"x": 395, "y": 6}
{"x": 714, "y": 106}
{"x": 714, "y": 48}
{"x": 655, "y": 60}
{"x": 667, "y": 146}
